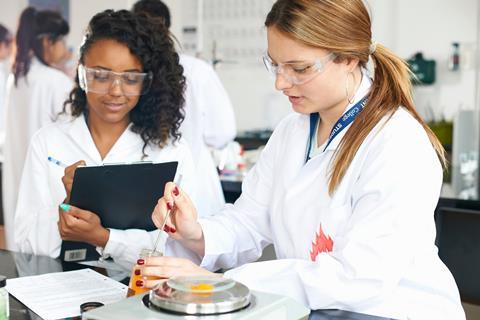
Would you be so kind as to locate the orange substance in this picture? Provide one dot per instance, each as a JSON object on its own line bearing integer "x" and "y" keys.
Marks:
{"x": 202, "y": 287}
{"x": 133, "y": 280}
{"x": 132, "y": 284}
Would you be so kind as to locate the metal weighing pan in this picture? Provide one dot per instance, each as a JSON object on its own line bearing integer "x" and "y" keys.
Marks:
{"x": 200, "y": 295}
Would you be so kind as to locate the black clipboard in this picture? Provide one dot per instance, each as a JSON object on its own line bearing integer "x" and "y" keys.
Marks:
{"x": 122, "y": 195}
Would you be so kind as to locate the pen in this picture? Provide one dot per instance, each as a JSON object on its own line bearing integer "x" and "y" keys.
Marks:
{"x": 57, "y": 162}
{"x": 179, "y": 180}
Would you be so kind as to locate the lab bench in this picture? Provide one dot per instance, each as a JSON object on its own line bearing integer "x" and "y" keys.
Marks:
{"x": 253, "y": 139}
{"x": 14, "y": 264}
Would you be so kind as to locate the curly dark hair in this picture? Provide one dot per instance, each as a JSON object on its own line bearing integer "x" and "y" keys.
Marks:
{"x": 158, "y": 113}
{"x": 154, "y": 8}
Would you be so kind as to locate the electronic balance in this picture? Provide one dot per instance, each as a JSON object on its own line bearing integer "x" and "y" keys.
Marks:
{"x": 201, "y": 298}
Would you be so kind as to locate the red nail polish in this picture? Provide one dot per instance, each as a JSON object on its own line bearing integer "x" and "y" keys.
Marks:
{"x": 139, "y": 283}
{"x": 140, "y": 261}
{"x": 173, "y": 230}
{"x": 169, "y": 206}
{"x": 176, "y": 192}
{"x": 167, "y": 229}
{"x": 137, "y": 272}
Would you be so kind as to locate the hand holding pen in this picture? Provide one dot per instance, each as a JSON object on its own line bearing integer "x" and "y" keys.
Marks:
{"x": 75, "y": 224}
{"x": 69, "y": 173}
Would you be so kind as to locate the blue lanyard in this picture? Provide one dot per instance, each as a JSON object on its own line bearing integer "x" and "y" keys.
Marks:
{"x": 341, "y": 124}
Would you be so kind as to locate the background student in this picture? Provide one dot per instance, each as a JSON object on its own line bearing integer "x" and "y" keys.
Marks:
{"x": 127, "y": 107}
{"x": 345, "y": 189}
{"x": 209, "y": 117}
{"x": 35, "y": 96}
{"x": 6, "y": 45}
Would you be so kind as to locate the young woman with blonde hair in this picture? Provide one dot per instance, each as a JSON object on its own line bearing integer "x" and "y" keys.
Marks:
{"x": 345, "y": 189}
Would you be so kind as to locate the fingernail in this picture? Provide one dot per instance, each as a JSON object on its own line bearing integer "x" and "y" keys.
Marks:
{"x": 175, "y": 191}
{"x": 65, "y": 207}
{"x": 169, "y": 206}
{"x": 166, "y": 228}
{"x": 140, "y": 261}
{"x": 139, "y": 283}
{"x": 137, "y": 272}
{"x": 173, "y": 230}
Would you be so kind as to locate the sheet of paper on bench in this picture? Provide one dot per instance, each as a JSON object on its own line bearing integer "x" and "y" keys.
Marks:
{"x": 59, "y": 295}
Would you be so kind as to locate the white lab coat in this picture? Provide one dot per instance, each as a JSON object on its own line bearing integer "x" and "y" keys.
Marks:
{"x": 4, "y": 72}
{"x": 375, "y": 235}
{"x": 209, "y": 122}
{"x": 42, "y": 190}
{"x": 34, "y": 102}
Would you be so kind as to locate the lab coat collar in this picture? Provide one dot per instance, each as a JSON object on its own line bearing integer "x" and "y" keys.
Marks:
{"x": 362, "y": 91}
{"x": 5, "y": 66}
{"x": 80, "y": 134}
{"x": 35, "y": 63}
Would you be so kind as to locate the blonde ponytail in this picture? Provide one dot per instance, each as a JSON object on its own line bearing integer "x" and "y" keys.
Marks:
{"x": 391, "y": 89}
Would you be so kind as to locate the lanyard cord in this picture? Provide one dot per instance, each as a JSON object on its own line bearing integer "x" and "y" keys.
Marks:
{"x": 341, "y": 124}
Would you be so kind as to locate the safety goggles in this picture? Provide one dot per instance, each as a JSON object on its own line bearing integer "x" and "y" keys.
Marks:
{"x": 102, "y": 81}
{"x": 297, "y": 72}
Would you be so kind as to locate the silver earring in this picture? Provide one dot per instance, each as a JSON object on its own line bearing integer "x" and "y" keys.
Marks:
{"x": 350, "y": 100}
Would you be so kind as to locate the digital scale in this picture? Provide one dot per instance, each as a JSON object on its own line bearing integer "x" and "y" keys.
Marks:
{"x": 201, "y": 298}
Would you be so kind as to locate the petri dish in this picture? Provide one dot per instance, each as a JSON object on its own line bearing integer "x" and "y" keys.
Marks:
{"x": 201, "y": 284}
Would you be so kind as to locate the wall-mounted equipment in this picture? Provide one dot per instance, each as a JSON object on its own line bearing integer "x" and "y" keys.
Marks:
{"x": 424, "y": 70}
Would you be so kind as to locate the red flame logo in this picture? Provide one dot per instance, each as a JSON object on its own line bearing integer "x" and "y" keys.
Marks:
{"x": 321, "y": 243}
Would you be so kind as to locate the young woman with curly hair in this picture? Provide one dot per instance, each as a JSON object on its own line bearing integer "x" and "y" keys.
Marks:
{"x": 126, "y": 107}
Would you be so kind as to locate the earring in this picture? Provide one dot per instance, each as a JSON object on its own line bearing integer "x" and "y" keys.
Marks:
{"x": 350, "y": 100}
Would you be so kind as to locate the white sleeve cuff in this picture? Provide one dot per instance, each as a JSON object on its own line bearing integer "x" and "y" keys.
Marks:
{"x": 210, "y": 258}
{"x": 101, "y": 251}
{"x": 114, "y": 246}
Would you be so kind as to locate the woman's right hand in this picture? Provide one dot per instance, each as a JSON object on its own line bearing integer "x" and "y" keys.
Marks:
{"x": 182, "y": 222}
{"x": 67, "y": 178}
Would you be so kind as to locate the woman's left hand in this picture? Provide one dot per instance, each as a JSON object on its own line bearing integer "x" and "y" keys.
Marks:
{"x": 81, "y": 225}
{"x": 162, "y": 268}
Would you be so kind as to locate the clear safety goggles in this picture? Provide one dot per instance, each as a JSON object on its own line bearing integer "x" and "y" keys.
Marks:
{"x": 297, "y": 72}
{"x": 102, "y": 81}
